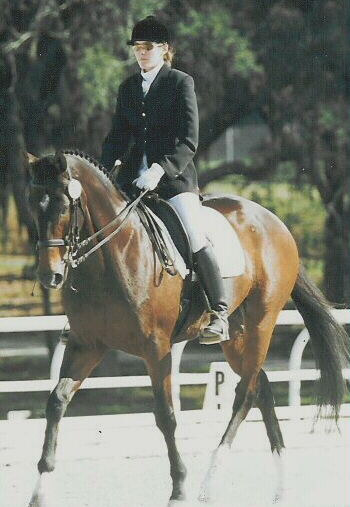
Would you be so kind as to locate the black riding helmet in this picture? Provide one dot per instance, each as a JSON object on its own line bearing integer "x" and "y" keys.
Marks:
{"x": 149, "y": 29}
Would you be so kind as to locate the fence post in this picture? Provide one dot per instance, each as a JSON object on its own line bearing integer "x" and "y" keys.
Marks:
{"x": 295, "y": 364}
{"x": 56, "y": 360}
{"x": 176, "y": 354}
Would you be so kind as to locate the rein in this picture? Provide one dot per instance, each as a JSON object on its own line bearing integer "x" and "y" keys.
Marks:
{"x": 74, "y": 260}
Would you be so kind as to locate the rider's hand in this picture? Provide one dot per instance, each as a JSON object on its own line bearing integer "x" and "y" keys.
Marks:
{"x": 149, "y": 179}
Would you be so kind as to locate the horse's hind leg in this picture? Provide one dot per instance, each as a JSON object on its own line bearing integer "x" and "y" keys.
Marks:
{"x": 245, "y": 352}
{"x": 78, "y": 361}
{"x": 159, "y": 368}
{"x": 244, "y": 400}
{"x": 266, "y": 404}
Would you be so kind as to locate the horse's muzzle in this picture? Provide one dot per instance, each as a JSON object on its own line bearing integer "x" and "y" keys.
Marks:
{"x": 51, "y": 280}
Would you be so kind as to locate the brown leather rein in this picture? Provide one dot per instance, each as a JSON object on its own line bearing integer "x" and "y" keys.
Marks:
{"x": 74, "y": 258}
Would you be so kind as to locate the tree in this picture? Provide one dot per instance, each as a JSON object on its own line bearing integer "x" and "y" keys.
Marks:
{"x": 61, "y": 64}
{"x": 302, "y": 93}
{"x": 288, "y": 60}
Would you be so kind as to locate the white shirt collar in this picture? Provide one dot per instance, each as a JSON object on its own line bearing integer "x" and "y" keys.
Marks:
{"x": 151, "y": 74}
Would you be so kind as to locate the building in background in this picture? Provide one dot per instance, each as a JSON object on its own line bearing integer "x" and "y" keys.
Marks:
{"x": 238, "y": 141}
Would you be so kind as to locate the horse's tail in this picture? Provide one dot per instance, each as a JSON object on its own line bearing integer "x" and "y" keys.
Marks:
{"x": 329, "y": 340}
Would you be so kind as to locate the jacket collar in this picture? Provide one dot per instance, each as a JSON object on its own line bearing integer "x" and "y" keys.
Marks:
{"x": 155, "y": 86}
{"x": 151, "y": 74}
{"x": 157, "y": 82}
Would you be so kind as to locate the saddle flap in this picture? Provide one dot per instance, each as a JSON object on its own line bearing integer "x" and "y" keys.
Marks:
{"x": 176, "y": 259}
{"x": 171, "y": 242}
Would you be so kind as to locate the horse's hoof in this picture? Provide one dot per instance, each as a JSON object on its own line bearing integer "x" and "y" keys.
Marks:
{"x": 277, "y": 499}
{"x": 203, "y": 498}
{"x": 215, "y": 477}
{"x": 205, "y": 495}
{"x": 177, "y": 503}
{"x": 42, "y": 492}
{"x": 35, "y": 502}
{"x": 279, "y": 464}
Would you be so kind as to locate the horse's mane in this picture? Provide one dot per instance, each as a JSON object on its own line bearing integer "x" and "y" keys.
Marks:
{"x": 47, "y": 168}
{"x": 91, "y": 160}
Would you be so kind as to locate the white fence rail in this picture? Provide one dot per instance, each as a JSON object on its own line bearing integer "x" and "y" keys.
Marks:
{"x": 55, "y": 323}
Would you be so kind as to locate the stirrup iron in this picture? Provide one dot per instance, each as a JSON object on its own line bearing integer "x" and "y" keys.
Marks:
{"x": 217, "y": 329}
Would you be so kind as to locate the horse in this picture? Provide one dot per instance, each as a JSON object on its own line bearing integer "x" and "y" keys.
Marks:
{"x": 120, "y": 297}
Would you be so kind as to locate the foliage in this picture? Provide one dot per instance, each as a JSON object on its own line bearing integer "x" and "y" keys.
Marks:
{"x": 100, "y": 74}
{"x": 213, "y": 26}
{"x": 303, "y": 50}
{"x": 61, "y": 64}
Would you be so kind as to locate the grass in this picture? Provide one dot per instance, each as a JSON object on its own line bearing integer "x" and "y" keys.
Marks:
{"x": 16, "y": 239}
{"x": 99, "y": 401}
{"x": 111, "y": 401}
{"x": 20, "y": 296}
{"x": 24, "y": 368}
{"x": 128, "y": 400}
{"x": 16, "y": 263}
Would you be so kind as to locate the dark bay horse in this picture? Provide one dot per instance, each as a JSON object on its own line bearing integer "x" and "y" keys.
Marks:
{"x": 119, "y": 297}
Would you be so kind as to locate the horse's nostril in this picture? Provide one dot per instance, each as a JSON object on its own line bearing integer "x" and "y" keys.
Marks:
{"x": 51, "y": 280}
{"x": 58, "y": 278}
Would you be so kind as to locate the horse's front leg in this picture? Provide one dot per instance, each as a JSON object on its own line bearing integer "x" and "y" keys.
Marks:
{"x": 78, "y": 361}
{"x": 159, "y": 368}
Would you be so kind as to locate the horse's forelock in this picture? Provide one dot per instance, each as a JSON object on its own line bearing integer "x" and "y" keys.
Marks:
{"x": 48, "y": 169}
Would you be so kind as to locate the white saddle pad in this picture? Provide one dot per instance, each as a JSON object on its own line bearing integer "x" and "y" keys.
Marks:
{"x": 227, "y": 247}
{"x": 222, "y": 236}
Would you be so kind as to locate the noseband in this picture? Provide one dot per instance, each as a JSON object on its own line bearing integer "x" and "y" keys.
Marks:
{"x": 47, "y": 243}
{"x": 74, "y": 258}
{"x": 72, "y": 238}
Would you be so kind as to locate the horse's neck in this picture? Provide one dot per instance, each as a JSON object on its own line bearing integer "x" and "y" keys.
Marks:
{"x": 104, "y": 204}
{"x": 101, "y": 194}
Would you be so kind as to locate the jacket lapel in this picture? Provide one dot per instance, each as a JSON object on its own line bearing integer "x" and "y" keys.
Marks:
{"x": 158, "y": 82}
{"x": 137, "y": 90}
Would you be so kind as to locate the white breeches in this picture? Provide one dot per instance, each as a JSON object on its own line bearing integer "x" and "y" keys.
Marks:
{"x": 189, "y": 209}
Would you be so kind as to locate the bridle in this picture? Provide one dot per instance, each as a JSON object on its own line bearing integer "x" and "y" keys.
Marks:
{"x": 74, "y": 258}
{"x": 72, "y": 238}
{"x": 71, "y": 242}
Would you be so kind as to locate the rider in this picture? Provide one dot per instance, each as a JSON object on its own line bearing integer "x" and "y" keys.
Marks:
{"x": 154, "y": 138}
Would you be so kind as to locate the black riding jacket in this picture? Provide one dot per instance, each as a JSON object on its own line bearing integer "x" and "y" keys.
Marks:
{"x": 164, "y": 125}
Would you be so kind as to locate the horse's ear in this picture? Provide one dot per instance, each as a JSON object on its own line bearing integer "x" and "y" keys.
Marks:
{"x": 60, "y": 162}
{"x": 31, "y": 159}
{"x": 29, "y": 162}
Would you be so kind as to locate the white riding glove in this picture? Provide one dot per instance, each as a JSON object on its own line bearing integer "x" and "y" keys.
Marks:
{"x": 150, "y": 178}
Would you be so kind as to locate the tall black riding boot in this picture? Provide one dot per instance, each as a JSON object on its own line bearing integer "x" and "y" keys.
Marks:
{"x": 207, "y": 269}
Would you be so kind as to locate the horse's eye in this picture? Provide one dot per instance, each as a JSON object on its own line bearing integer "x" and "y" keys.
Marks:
{"x": 64, "y": 210}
